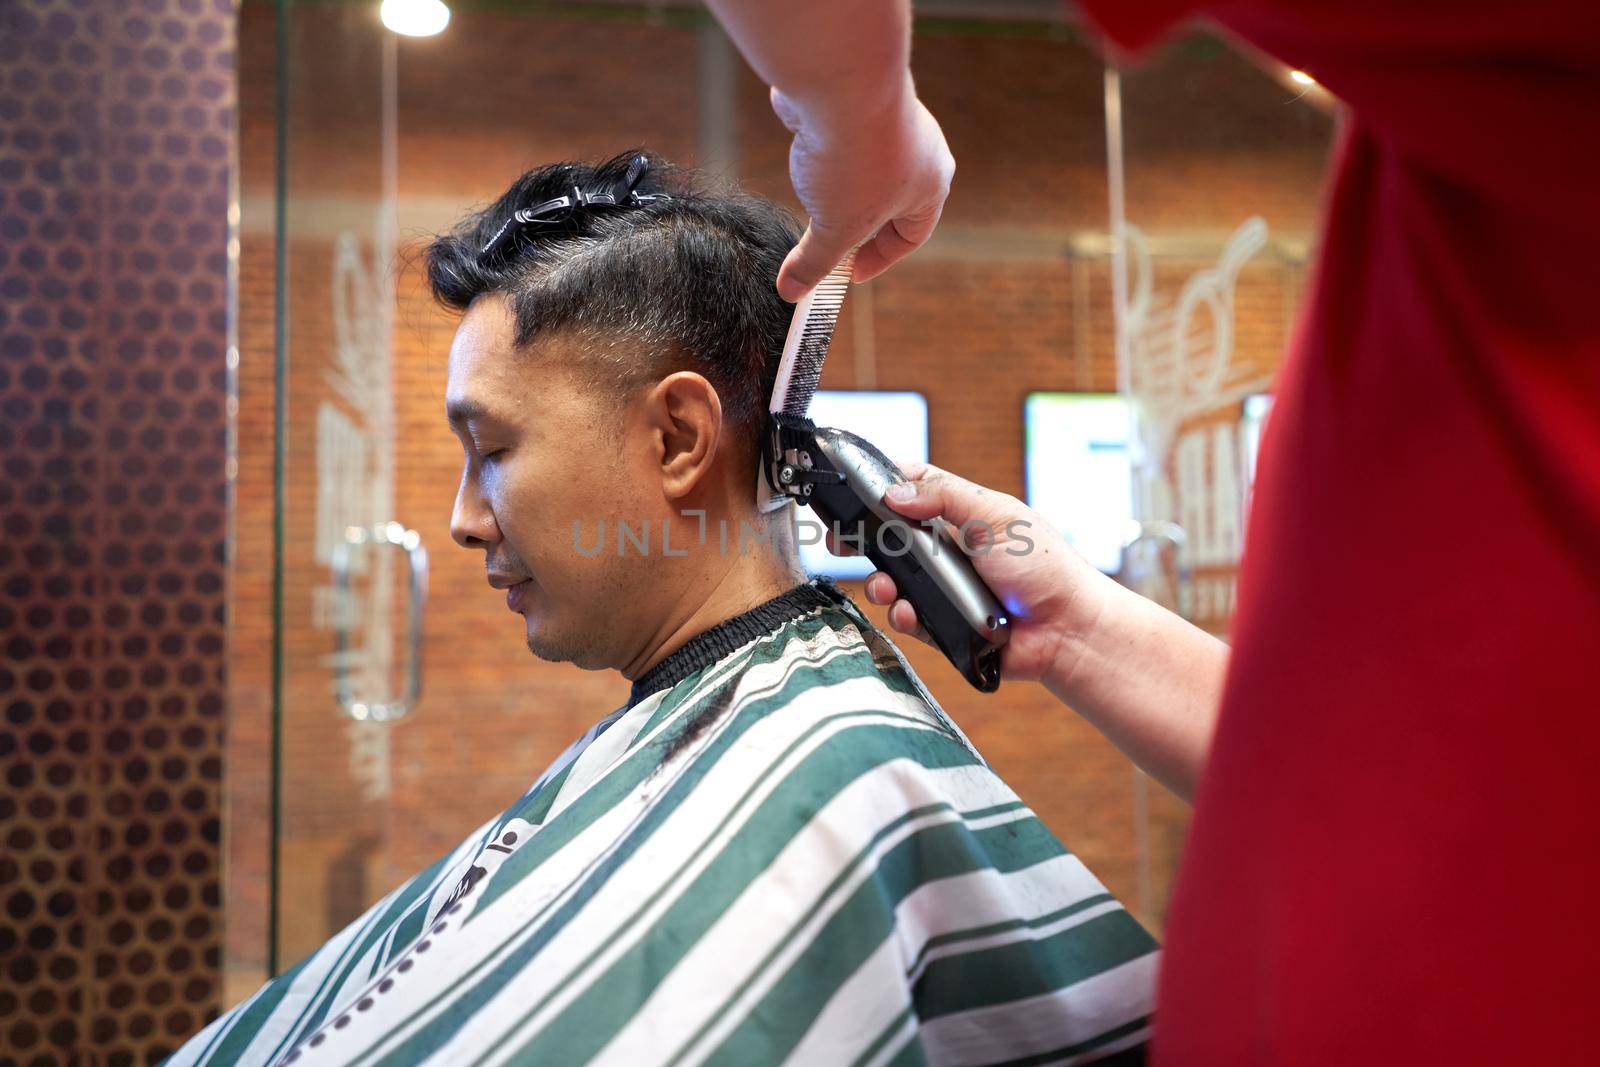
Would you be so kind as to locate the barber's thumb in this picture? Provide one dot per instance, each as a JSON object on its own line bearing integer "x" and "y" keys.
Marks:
{"x": 787, "y": 111}
{"x": 809, "y": 262}
{"x": 930, "y": 491}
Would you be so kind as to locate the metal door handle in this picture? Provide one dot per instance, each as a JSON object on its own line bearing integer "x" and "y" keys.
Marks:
{"x": 387, "y": 533}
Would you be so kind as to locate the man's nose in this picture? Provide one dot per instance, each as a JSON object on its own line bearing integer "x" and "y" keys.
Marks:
{"x": 472, "y": 522}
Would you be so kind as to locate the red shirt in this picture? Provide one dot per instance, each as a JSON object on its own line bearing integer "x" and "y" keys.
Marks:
{"x": 1396, "y": 847}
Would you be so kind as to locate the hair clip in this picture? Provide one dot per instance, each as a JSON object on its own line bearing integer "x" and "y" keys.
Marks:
{"x": 561, "y": 208}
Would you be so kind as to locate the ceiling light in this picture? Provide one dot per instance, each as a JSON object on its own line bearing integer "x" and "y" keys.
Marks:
{"x": 415, "y": 18}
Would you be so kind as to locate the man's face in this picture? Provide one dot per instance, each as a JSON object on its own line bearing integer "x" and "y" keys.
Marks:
{"x": 545, "y": 449}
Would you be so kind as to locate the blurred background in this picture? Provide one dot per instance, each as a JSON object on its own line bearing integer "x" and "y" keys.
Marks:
{"x": 250, "y": 684}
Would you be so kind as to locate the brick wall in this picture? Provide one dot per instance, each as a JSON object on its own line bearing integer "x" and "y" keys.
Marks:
{"x": 998, "y": 306}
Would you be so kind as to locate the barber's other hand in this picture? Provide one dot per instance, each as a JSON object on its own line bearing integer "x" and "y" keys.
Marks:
{"x": 1053, "y": 595}
{"x": 876, "y": 176}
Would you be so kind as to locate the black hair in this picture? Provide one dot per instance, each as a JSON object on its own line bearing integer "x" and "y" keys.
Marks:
{"x": 656, "y": 283}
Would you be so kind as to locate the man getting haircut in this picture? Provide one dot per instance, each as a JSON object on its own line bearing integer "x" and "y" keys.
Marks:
{"x": 779, "y": 849}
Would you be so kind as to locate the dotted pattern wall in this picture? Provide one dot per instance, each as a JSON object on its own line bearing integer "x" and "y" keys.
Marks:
{"x": 116, "y": 121}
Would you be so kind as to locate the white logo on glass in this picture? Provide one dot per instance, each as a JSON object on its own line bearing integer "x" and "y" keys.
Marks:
{"x": 355, "y": 487}
{"x": 1181, "y": 368}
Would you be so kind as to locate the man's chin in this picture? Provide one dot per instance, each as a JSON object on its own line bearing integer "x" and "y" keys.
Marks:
{"x": 561, "y": 648}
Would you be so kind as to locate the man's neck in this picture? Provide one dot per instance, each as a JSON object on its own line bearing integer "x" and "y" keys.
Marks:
{"x": 751, "y": 580}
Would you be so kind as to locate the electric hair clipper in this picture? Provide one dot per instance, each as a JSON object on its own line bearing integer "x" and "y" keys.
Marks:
{"x": 843, "y": 478}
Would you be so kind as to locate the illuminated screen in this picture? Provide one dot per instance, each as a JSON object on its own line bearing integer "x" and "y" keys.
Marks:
{"x": 1079, "y": 473}
{"x": 895, "y": 422}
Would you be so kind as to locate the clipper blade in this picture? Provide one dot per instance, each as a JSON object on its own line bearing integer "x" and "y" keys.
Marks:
{"x": 800, "y": 368}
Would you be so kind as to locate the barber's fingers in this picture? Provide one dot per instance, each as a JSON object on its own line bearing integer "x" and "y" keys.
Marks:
{"x": 897, "y": 239}
{"x": 880, "y": 590}
{"x": 903, "y": 618}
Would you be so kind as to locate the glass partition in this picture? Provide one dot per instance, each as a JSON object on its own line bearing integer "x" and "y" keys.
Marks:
{"x": 1215, "y": 173}
{"x": 352, "y": 576}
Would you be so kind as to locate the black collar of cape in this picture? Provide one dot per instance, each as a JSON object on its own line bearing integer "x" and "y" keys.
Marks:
{"x": 709, "y": 646}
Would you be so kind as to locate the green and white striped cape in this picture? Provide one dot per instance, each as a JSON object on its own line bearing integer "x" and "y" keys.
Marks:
{"x": 787, "y": 855}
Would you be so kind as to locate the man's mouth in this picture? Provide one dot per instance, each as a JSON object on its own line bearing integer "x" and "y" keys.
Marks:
{"x": 517, "y": 594}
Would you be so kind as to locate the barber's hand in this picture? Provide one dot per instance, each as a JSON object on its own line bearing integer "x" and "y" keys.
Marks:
{"x": 876, "y": 177}
{"x": 1054, "y": 597}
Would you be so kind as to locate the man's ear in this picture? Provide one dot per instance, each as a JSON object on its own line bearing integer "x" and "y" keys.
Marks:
{"x": 684, "y": 416}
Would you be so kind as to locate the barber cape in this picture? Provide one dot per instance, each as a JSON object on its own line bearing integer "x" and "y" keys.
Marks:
{"x": 780, "y": 851}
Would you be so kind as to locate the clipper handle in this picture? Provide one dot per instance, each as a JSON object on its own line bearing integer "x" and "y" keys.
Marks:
{"x": 970, "y": 651}
{"x": 843, "y": 477}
